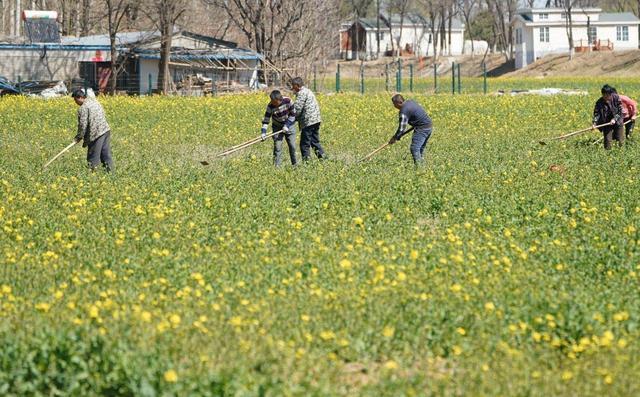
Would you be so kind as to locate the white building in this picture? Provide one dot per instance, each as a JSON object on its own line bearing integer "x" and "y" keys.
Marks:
{"x": 360, "y": 37}
{"x": 542, "y": 31}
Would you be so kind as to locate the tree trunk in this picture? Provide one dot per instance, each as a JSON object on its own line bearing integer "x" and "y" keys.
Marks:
{"x": 86, "y": 9}
{"x": 570, "y": 30}
{"x": 165, "y": 55}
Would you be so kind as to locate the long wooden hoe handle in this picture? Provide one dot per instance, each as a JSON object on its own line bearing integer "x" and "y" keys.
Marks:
{"x": 60, "y": 154}
{"x": 240, "y": 146}
{"x": 368, "y": 156}
{"x": 565, "y": 136}
{"x": 247, "y": 144}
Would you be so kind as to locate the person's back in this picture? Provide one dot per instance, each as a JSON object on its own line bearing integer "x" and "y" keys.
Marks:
{"x": 416, "y": 115}
{"x": 94, "y": 119}
{"x": 629, "y": 106}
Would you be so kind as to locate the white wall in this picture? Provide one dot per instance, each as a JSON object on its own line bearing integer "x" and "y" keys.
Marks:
{"x": 417, "y": 38}
{"x": 31, "y": 65}
{"x": 148, "y": 66}
{"x": 533, "y": 48}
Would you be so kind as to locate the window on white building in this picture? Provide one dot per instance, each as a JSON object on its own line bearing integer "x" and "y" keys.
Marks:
{"x": 518, "y": 36}
{"x": 544, "y": 34}
{"x": 593, "y": 34}
{"x": 622, "y": 33}
{"x": 544, "y": 16}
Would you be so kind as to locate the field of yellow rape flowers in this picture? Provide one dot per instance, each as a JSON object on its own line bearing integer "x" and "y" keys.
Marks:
{"x": 503, "y": 267}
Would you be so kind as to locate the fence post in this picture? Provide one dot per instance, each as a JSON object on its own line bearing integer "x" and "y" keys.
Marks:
{"x": 386, "y": 77}
{"x": 20, "y": 84}
{"x": 399, "y": 76}
{"x": 453, "y": 78}
{"x": 150, "y": 82}
{"x": 338, "y": 79}
{"x": 435, "y": 78}
{"x": 411, "y": 78}
{"x": 315, "y": 78}
{"x": 361, "y": 79}
{"x": 459, "y": 80}
{"x": 484, "y": 77}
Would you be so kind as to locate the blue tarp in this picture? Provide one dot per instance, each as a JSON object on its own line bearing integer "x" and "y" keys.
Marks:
{"x": 6, "y": 87}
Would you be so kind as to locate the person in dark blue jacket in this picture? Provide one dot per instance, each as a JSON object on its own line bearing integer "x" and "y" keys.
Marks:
{"x": 411, "y": 113}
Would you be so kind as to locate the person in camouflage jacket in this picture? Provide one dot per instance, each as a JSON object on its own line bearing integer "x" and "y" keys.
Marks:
{"x": 94, "y": 131}
{"x": 308, "y": 115}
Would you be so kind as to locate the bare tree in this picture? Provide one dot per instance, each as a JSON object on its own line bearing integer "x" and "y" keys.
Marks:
{"x": 117, "y": 11}
{"x": 165, "y": 14}
{"x": 360, "y": 8}
{"x": 467, "y": 8}
{"x": 503, "y": 11}
{"x": 280, "y": 30}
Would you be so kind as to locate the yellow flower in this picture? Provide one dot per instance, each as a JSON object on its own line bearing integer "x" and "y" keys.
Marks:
{"x": 456, "y": 288}
{"x": 171, "y": 376}
{"x": 94, "y": 312}
{"x": 457, "y": 350}
{"x": 174, "y": 319}
{"x": 567, "y": 375}
{"x": 146, "y": 316}
{"x": 391, "y": 365}
{"x": 489, "y": 306}
{"x": 345, "y": 264}
{"x": 461, "y": 331}
{"x": 44, "y": 307}
{"x": 388, "y": 332}
{"x": 327, "y": 335}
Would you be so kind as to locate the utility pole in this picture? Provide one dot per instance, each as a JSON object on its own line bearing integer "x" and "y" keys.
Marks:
{"x": 378, "y": 27}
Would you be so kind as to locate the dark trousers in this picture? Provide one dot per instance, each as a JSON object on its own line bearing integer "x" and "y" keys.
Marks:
{"x": 628, "y": 128}
{"x": 615, "y": 132}
{"x": 418, "y": 144}
{"x": 310, "y": 137}
{"x": 99, "y": 151}
{"x": 277, "y": 145}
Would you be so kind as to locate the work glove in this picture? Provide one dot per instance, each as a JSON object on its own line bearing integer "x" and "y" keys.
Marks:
{"x": 263, "y": 132}
{"x": 285, "y": 129}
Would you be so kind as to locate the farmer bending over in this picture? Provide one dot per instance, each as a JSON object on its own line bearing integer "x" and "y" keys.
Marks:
{"x": 414, "y": 115}
{"x": 282, "y": 112}
{"x": 608, "y": 109}
{"x": 308, "y": 115}
{"x": 94, "y": 130}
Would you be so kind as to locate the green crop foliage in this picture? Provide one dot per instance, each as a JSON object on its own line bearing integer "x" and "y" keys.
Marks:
{"x": 503, "y": 267}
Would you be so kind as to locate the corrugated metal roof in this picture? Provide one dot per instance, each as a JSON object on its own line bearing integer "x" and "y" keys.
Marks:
{"x": 236, "y": 53}
{"x": 408, "y": 20}
{"x": 618, "y": 17}
{"x": 122, "y": 39}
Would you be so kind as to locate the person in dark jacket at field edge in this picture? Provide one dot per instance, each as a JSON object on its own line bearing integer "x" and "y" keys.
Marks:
{"x": 608, "y": 109}
{"x": 411, "y": 113}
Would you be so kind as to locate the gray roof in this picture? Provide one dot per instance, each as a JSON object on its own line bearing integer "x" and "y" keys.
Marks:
{"x": 409, "y": 19}
{"x": 122, "y": 39}
{"x": 618, "y": 17}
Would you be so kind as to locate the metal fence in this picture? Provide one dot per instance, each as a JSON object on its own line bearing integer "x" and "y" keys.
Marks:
{"x": 399, "y": 77}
